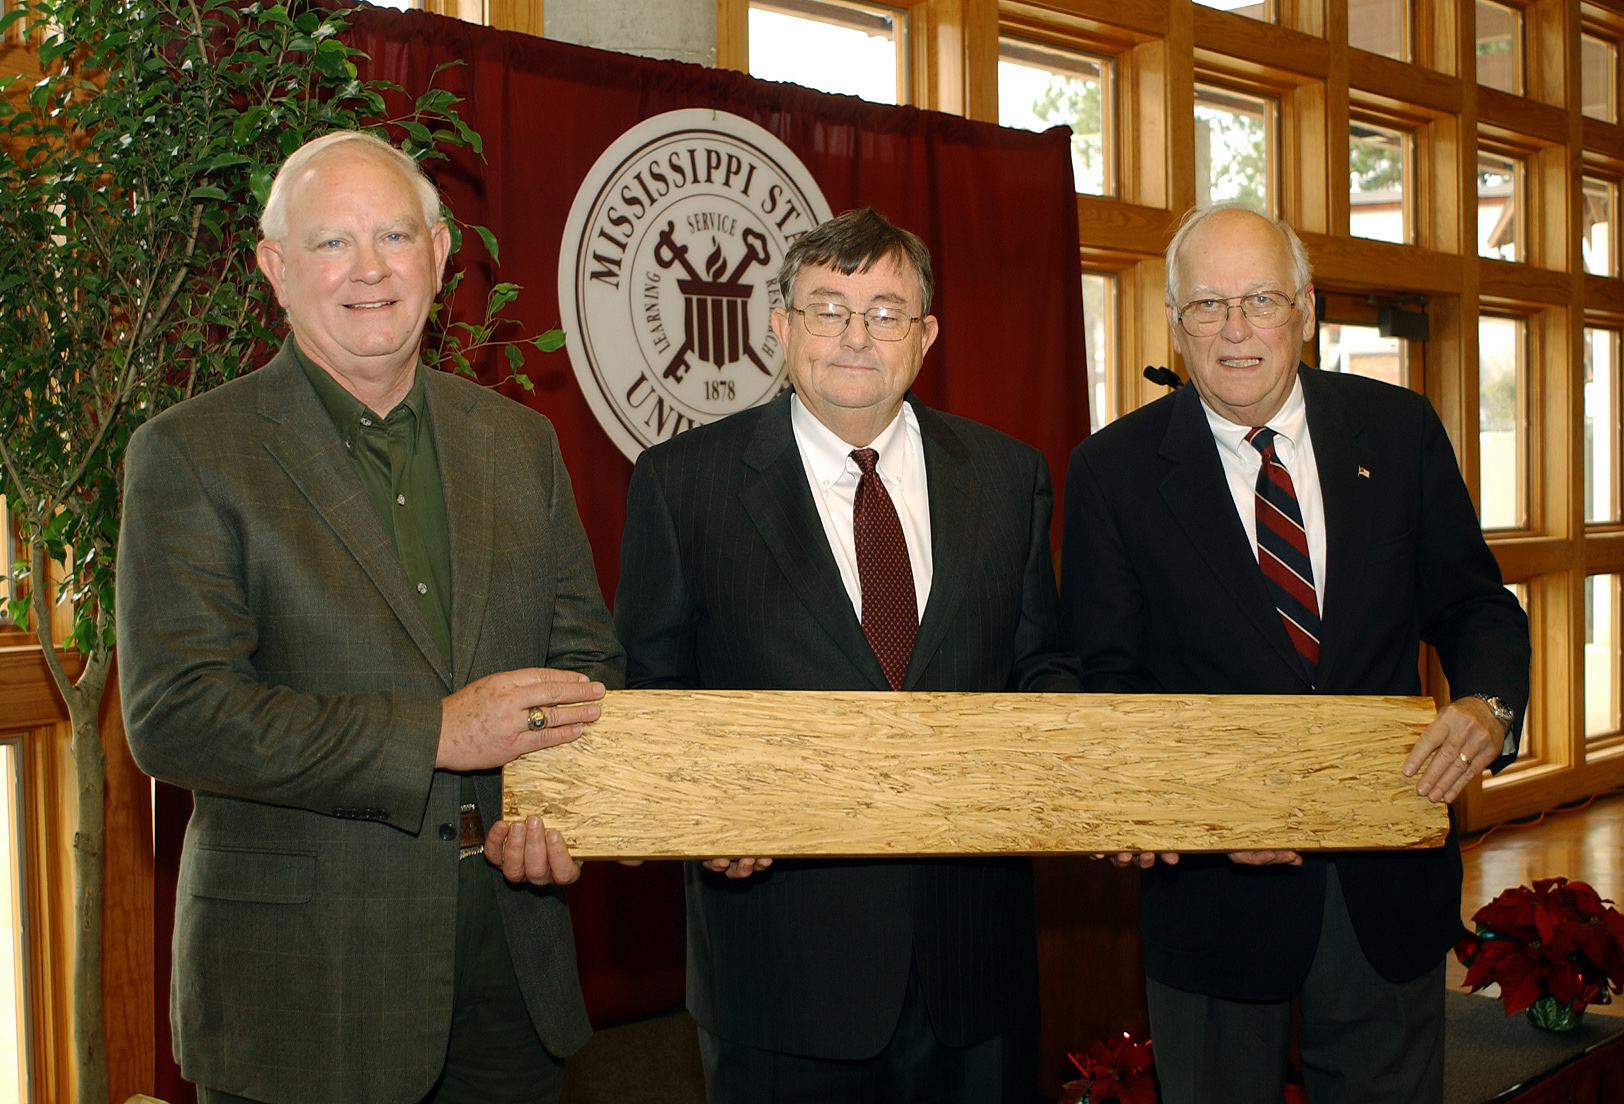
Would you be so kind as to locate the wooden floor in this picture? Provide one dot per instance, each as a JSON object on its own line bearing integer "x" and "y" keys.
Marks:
{"x": 1582, "y": 844}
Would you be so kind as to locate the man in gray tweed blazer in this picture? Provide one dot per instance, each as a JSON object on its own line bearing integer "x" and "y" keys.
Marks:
{"x": 335, "y": 627}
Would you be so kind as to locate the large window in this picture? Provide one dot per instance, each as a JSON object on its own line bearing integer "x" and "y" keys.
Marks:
{"x": 1598, "y": 78}
{"x": 1099, "y": 331}
{"x": 1234, "y": 147}
{"x": 1601, "y": 655}
{"x": 1363, "y": 351}
{"x": 1601, "y": 428}
{"x": 1502, "y": 390}
{"x": 1380, "y": 26}
{"x": 1379, "y": 160}
{"x": 1598, "y": 240}
{"x": 1501, "y": 181}
{"x": 857, "y": 49}
{"x": 1500, "y": 46}
{"x": 1040, "y": 87}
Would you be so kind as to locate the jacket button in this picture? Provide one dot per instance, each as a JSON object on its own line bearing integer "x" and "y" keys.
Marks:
{"x": 448, "y": 832}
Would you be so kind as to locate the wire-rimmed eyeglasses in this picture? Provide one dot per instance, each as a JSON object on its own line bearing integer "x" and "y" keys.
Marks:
{"x": 1266, "y": 310}
{"x": 831, "y": 320}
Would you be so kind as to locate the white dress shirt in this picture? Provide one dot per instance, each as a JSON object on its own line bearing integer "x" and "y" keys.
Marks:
{"x": 833, "y": 475}
{"x": 1295, "y": 449}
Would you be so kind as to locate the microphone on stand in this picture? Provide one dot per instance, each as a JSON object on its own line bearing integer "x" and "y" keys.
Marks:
{"x": 1164, "y": 376}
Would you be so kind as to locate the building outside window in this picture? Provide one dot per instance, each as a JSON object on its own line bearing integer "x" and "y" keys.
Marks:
{"x": 1363, "y": 351}
{"x": 854, "y": 49}
{"x": 1499, "y": 202}
{"x": 1597, "y": 247}
{"x": 1041, "y": 87}
{"x": 1252, "y": 9}
{"x": 1598, "y": 78}
{"x": 1379, "y": 171}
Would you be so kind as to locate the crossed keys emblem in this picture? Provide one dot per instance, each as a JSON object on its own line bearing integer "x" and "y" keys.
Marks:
{"x": 716, "y": 316}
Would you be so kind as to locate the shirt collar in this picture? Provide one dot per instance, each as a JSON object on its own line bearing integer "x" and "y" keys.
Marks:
{"x": 1290, "y": 424}
{"x": 829, "y": 457}
{"x": 345, "y": 409}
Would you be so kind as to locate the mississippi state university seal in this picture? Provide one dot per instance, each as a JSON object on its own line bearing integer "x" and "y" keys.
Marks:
{"x": 667, "y": 274}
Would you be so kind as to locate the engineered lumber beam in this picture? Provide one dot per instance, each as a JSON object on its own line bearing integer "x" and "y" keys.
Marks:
{"x": 700, "y": 774}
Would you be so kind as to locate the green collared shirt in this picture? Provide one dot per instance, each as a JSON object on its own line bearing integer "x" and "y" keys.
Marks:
{"x": 394, "y": 456}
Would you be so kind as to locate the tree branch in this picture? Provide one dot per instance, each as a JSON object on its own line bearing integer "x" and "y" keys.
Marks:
{"x": 39, "y": 586}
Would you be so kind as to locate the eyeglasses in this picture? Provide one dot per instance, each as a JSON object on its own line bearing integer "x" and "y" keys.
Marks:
{"x": 831, "y": 320}
{"x": 1266, "y": 310}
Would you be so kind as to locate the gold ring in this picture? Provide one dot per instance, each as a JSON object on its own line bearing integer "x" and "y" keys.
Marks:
{"x": 1465, "y": 762}
{"x": 538, "y": 717}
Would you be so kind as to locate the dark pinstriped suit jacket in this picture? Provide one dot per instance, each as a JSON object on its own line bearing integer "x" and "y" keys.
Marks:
{"x": 727, "y": 582}
{"x": 274, "y": 660}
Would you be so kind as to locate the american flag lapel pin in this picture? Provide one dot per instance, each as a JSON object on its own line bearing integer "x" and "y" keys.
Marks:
{"x": 1364, "y": 472}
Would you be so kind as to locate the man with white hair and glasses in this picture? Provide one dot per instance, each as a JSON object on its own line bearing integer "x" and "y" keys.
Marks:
{"x": 1275, "y": 529}
{"x": 350, "y": 589}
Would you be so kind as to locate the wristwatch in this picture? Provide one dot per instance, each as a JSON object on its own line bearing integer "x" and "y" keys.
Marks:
{"x": 1505, "y": 715}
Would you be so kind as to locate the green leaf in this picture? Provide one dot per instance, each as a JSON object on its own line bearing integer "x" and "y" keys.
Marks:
{"x": 208, "y": 191}
{"x": 515, "y": 356}
{"x": 550, "y": 341}
{"x": 259, "y": 183}
{"x": 501, "y": 296}
{"x": 490, "y": 243}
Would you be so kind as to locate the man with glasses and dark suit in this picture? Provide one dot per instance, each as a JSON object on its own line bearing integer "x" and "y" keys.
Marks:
{"x": 1273, "y": 529}
{"x": 846, "y": 537}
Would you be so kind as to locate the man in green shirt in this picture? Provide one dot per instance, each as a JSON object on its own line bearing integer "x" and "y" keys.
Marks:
{"x": 350, "y": 590}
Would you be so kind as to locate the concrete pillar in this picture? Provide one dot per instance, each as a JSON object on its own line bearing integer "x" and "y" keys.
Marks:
{"x": 684, "y": 30}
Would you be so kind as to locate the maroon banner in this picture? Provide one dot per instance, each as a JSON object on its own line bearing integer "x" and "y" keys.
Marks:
{"x": 995, "y": 206}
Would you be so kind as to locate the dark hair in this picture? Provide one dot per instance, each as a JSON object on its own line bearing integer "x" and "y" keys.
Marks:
{"x": 853, "y": 242}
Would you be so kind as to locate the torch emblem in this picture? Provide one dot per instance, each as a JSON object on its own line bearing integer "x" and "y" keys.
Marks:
{"x": 716, "y": 315}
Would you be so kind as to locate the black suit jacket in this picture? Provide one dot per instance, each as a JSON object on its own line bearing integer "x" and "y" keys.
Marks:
{"x": 728, "y": 582}
{"x": 1161, "y": 593}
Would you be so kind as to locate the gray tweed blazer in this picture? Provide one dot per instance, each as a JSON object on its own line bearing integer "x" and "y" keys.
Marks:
{"x": 274, "y": 661}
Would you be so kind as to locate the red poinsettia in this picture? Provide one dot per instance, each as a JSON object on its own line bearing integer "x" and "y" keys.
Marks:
{"x": 1559, "y": 939}
{"x": 1116, "y": 1070}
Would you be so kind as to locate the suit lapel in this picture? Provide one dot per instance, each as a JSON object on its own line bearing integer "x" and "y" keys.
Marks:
{"x": 1198, "y": 495}
{"x": 308, "y": 448}
{"x": 1339, "y": 456}
{"x": 463, "y": 446}
{"x": 955, "y": 514}
{"x": 779, "y": 503}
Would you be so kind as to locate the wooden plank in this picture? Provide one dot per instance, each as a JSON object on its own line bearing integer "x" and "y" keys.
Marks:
{"x": 684, "y": 774}
{"x": 1604, "y": 295}
{"x": 1145, "y": 19}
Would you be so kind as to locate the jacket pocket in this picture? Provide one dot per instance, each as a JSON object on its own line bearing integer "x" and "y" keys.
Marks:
{"x": 241, "y": 874}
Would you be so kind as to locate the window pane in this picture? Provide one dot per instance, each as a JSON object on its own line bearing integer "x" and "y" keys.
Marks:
{"x": 1380, "y": 26}
{"x": 1362, "y": 351}
{"x": 1039, "y": 88}
{"x": 1378, "y": 168}
{"x": 1234, "y": 148}
{"x": 1596, "y": 247}
{"x": 1099, "y": 333}
{"x": 1601, "y": 655}
{"x": 1530, "y": 747}
{"x": 848, "y": 48}
{"x": 1598, "y": 78}
{"x": 1499, "y": 47}
{"x": 1499, "y": 196}
{"x": 1501, "y": 446}
{"x": 1601, "y": 425}
{"x": 13, "y": 993}
{"x": 1252, "y": 9}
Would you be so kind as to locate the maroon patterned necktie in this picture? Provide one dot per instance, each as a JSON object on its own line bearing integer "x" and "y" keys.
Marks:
{"x": 1282, "y": 552}
{"x": 890, "y": 610}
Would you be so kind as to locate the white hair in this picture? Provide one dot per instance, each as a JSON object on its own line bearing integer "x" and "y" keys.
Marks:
{"x": 273, "y": 224}
{"x": 1301, "y": 272}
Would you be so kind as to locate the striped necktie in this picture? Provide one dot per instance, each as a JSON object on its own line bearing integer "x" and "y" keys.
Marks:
{"x": 1282, "y": 552}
